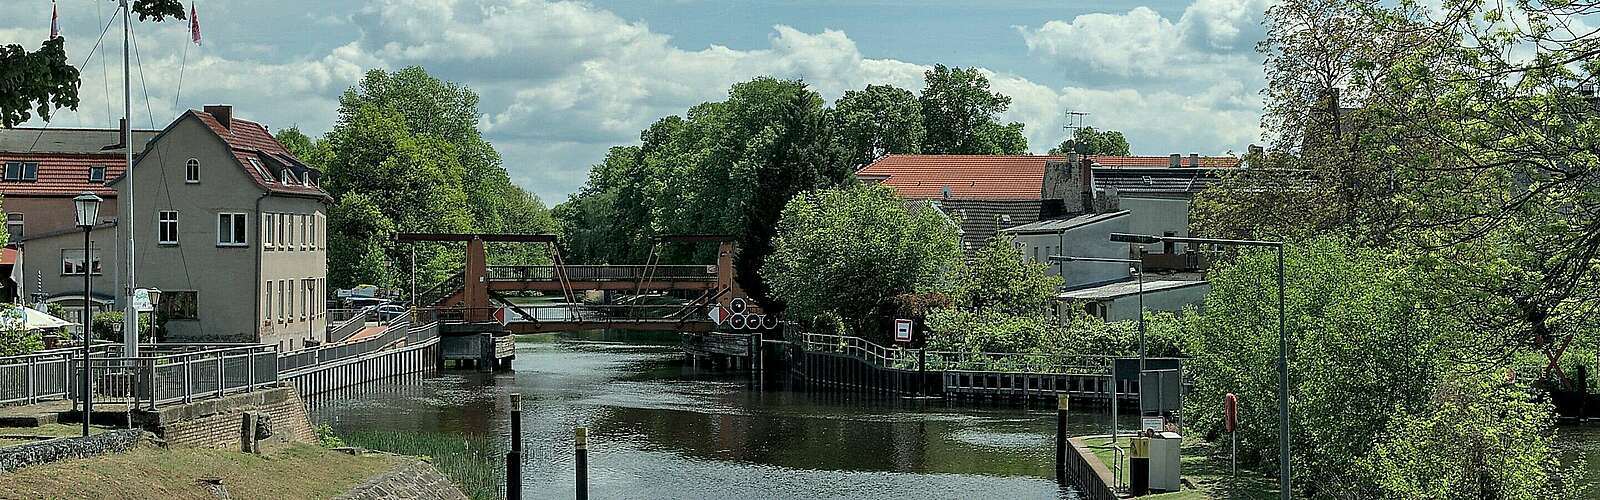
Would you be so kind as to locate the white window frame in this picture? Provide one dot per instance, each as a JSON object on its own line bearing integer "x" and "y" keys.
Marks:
{"x": 161, "y": 221}
{"x": 191, "y": 171}
{"x": 267, "y": 241}
{"x": 283, "y": 239}
{"x": 305, "y": 231}
{"x": 266, "y": 317}
{"x": 281, "y": 297}
{"x": 20, "y": 222}
{"x": 234, "y": 218}
{"x": 97, "y": 168}
{"x": 288, "y": 177}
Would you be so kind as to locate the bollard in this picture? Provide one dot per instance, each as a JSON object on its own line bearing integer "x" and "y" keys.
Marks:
{"x": 514, "y": 457}
{"x": 581, "y": 447}
{"x": 1139, "y": 466}
{"x": 1061, "y": 438}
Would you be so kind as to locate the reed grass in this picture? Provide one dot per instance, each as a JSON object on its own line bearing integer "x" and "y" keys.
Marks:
{"x": 473, "y": 463}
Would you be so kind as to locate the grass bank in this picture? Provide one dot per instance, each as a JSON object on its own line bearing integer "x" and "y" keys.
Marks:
{"x": 1207, "y": 472}
{"x": 14, "y": 436}
{"x": 295, "y": 471}
{"x": 473, "y": 464}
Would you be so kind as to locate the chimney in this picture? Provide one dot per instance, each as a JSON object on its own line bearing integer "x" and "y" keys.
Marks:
{"x": 223, "y": 113}
{"x": 1175, "y": 161}
{"x": 1194, "y": 160}
{"x": 1064, "y": 188}
{"x": 122, "y": 132}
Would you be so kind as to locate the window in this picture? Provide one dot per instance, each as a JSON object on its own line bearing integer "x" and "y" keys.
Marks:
{"x": 306, "y": 309}
{"x": 22, "y": 171}
{"x": 180, "y": 304}
{"x": 14, "y": 226}
{"x": 316, "y": 239}
{"x": 266, "y": 315}
{"x": 282, "y": 292}
{"x": 260, "y": 170}
{"x": 288, "y": 287}
{"x": 97, "y": 173}
{"x": 72, "y": 261}
{"x": 288, "y": 177}
{"x": 191, "y": 171}
{"x": 305, "y": 231}
{"x": 305, "y": 177}
{"x": 266, "y": 231}
{"x": 278, "y": 221}
{"x": 167, "y": 227}
{"x": 231, "y": 230}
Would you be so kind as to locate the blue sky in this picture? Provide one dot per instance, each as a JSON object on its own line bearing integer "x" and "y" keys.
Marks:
{"x": 561, "y": 81}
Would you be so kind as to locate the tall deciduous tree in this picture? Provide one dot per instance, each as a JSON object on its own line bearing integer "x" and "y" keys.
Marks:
{"x": 410, "y": 140}
{"x": 879, "y": 120}
{"x": 960, "y": 113}
{"x": 847, "y": 252}
{"x": 1088, "y": 140}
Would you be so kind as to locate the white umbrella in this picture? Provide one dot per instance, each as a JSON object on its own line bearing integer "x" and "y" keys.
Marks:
{"x": 31, "y": 319}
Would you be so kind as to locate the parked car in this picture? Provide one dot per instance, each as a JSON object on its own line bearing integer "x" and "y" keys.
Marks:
{"x": 389, "y": 312}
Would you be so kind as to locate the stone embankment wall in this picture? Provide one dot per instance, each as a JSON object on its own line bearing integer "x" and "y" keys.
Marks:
{"x": 414, "y": 480}
{"x": 54, "y": 450}
{"x": 218, "y": 423}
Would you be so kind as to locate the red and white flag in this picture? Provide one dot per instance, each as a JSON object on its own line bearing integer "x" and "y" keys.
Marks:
{"x": 194, "y": 24}
{"x": 55, "y": 22}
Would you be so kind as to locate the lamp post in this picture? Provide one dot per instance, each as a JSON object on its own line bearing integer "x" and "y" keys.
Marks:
{"x": 155, "y": 305}
{"x": 1139, "y": 268}
{"x": 88, "y": 211}
{"x": 1284, "y": 483}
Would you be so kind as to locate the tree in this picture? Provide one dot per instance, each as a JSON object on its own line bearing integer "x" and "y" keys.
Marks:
{"x": 1362, "y": 350}
{"x": 959, "y": 111}
{"x": 880, "y": 120}
{"x": 998, "y": 278}
{"x": 1478, "y": 438}
{"x": 43, "y": 80}
{"x": 1093, "y": 142}
{"x": 848, "y": 252}
{"x": 410, "y": 140}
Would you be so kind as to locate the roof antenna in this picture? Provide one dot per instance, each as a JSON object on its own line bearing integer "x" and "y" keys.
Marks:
{"x": 1074, "y": 122}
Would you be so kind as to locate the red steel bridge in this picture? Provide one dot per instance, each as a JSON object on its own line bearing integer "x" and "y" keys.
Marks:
{"x": 477, "y": 293}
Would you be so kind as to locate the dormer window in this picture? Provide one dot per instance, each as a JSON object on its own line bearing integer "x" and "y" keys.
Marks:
{"x": 22, "y": 171}
{"x": 288, "y": 177}
{"x": 191, "y": 171}
{"x": 259, "y": 169}
{"x": 97, "y": 173}
{"x": 305, "y": 178}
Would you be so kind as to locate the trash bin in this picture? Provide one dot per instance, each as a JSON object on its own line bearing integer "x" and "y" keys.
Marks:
{"x": 1165, "y": 462}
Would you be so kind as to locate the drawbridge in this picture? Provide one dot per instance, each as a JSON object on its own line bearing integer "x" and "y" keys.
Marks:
{"x": 479, "y": 293}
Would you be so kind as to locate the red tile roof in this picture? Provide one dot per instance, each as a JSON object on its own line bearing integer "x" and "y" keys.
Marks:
{"x": 62, "y": 174}
{"x": 992, "y": 177}
{"x": 251, "y": 141}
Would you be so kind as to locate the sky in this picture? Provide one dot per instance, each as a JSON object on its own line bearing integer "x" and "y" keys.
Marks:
{"x": 562, "y": 81}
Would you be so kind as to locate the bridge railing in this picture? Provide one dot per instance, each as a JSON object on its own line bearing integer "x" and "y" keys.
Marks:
{"x": 292, "y": 361}
{"x": 952, "y": 361}
{"x": 604, "y": 273}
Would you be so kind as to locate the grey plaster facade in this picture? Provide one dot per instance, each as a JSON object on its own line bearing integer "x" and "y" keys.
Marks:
{"x": 265, "y": 282}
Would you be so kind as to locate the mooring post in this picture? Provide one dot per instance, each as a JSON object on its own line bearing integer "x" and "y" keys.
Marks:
{"x": 581, "y": 447}
{"x": 1061, "y": 438}
{"x": 514, "y": 457}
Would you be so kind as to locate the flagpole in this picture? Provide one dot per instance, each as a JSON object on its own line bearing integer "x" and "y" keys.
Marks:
{"x": 130, "y": 316}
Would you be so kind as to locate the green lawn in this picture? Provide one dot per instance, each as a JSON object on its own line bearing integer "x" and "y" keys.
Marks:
{"x": 1206, "y": 468}
{"x": 51, "y": 430}
{"x": 295, "y": 471}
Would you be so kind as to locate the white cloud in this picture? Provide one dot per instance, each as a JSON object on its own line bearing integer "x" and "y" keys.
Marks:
{"x": 561, "y": 81}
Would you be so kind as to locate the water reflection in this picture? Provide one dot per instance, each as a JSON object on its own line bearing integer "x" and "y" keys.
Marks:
{"x": 663, "y": 429}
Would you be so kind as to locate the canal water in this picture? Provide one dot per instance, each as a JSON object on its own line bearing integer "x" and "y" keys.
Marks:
{"x": 660, "y": 428}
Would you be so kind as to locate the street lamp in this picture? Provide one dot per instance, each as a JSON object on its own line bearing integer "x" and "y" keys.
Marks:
{"x": 155, "y": 305}
{"x": 88, "y": 211}
{"x": 1283, "y": 339}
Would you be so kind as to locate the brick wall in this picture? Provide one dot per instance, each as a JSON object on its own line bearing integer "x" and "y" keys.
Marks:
{"x": 415, "y": 480}
{"x": 217, "y": 423}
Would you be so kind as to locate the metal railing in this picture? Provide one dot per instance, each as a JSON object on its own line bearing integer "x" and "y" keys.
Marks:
{"x": 292, "y": 361}
{"x": 342, "y": 323}
{"x": 953, "y": 361}
{"x": 604, "y": 273}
